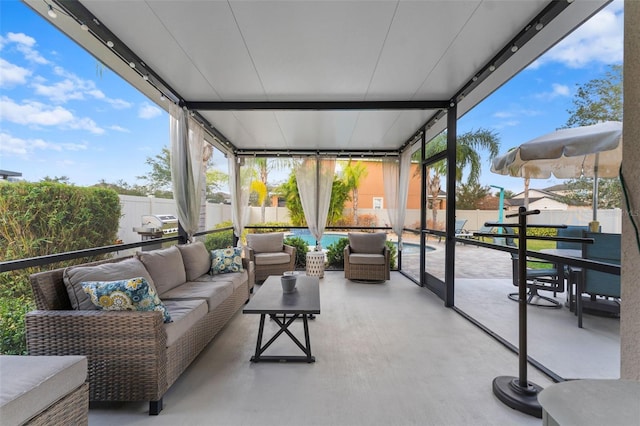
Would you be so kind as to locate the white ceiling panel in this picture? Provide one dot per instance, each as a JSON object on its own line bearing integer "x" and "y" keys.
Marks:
{"x": 414, "y": 47}
{"x": 316, "y": 50}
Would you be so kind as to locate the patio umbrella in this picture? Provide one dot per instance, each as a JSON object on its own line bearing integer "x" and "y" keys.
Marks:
{"x": 592, "y": 151}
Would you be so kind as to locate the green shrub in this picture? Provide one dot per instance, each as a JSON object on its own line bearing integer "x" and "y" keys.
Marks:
{"x": 335, "y": 253}
{"x": 393, "y": 254}
{"x": 280, "y": 227}
{"x": 220, "y": 239}
{"x": 12, "y": 330}
{"x": 38, "y": 219}
{"x": 301, "y": 250}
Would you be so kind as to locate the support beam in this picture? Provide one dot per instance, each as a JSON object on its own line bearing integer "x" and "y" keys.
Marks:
{"x": 449, "y": 270}
{"x": 423, "y": 208}
{"x": 315, "y": 105}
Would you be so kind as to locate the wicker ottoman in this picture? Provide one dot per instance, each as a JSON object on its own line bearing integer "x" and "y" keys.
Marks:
{"x": 43, "y": 390}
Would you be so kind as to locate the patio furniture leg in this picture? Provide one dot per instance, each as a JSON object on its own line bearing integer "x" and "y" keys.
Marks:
{"x": 155, "y": 407}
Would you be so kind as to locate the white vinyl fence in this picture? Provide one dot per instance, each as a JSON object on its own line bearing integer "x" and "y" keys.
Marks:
{"x": 133, "y": 208}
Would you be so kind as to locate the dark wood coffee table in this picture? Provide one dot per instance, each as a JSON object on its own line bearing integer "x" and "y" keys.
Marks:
{"x": 284, "y": 309}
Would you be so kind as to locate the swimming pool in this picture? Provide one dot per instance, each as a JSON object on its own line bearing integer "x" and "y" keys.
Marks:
{"x": 331, "y": 238}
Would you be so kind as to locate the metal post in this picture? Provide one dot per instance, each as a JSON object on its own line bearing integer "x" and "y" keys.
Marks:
{"x": 517, "y": 392}
{"x": 522, "y": 296}
{"x": 500, "y": 206}
{"x": 450, "y": 242}
{"x": 423, "y": 206}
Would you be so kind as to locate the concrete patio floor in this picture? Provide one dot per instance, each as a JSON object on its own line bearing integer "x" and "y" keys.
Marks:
{"x": 483, "y": 279}
{"x": 387, "y": 354}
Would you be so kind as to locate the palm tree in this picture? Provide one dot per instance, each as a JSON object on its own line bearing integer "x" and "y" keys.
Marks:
{"x": 468, "y": 158}
{"x": 264, "y": 166}
{"x": 352, "y": 176}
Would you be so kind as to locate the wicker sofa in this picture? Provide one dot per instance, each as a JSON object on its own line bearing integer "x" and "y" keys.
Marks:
{"x": 135, "y": 355}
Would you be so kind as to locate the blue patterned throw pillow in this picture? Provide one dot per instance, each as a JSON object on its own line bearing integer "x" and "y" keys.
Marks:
{"x": 226, "y": 260}
{"x": 134, "y": 294}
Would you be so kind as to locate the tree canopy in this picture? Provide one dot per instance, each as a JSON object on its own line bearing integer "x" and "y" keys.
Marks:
{"x": 598, "y": 100}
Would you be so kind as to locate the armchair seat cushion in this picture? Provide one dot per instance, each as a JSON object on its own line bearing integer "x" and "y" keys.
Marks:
{"x": 366, "y": 259}
{"x": 272, "y": 258}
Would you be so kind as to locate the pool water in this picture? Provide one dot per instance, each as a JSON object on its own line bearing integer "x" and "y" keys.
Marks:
{"x": 328, "y": 239}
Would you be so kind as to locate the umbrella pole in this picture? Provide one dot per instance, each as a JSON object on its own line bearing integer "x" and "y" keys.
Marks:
{"x": 593, "y": 226}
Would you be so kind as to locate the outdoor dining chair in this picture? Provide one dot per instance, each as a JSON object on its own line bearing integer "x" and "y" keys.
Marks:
{"x": 538, "y": 279}
{"x": 606, "y": 249}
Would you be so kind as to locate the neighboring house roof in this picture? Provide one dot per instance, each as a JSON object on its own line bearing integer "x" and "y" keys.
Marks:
{"x": 5, "y": 174}
{"x": 561, "y": 187}
{"x": 543, "y": 192}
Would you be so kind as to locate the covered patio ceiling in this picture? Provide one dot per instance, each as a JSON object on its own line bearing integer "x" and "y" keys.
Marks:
{"x": 342, "y": 77}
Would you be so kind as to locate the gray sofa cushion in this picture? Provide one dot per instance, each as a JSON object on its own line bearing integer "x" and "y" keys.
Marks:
{"x": 363, "y": 242}
{"x": 30, "y": 384}
{"x": 74, "y": 276}
{"x": 266, "y": 243}
{"x": 185, "y": 314}
{"x": 165, "y": 267}
{"x": 214, "y": 292}
{"x": 237, "y": 278}
{"x": 196, "y": 259}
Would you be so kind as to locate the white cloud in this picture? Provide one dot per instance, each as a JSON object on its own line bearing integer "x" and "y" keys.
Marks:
{"x": 503, "y": 114}
{"x": 11, "y": 74}
{"x": 38, "y": 114}
{"x": 10, "y": 145}
{"x": 600, "y": 39}
{"x": 556, "y": 91}
{"x": 119, "y": 129}
{"x": 25, "y": 45}
{"x": 59, "y": 92}
{"x": 147, "y": 111}
{"x": 508, "y": 123}
{"x": 118, "y": 103}
{"x": 517, "y": 111}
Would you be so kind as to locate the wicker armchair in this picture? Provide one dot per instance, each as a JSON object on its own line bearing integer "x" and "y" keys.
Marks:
{"x": 269, "y": 254}
{"x": 366, "y": 258}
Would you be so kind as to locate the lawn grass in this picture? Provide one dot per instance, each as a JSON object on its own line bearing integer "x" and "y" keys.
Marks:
{"x": 537, "y": 245}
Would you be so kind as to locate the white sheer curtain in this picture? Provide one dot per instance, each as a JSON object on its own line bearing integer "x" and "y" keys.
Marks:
{"x": 395, "y": 173}
{"x": 239, "y": 184}
{"x": 187, "y": 140}
{"x": 315, "y": 182}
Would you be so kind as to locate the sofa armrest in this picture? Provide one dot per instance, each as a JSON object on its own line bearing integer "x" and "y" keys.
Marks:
{"x": 249, "y": 266}
{"x": 126, "y": 351}
{"x": 291, "y": 250}
{"x": 249, "y": 253}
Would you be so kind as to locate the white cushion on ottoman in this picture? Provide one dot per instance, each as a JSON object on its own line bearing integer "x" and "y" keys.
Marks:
{"x": 30, "y": 384}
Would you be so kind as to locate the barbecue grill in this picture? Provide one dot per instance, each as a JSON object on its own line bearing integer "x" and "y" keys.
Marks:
{"x": 157, "y": 226}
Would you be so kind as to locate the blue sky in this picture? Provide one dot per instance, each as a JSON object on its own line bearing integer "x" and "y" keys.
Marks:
{"x": 60, "y": 114}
